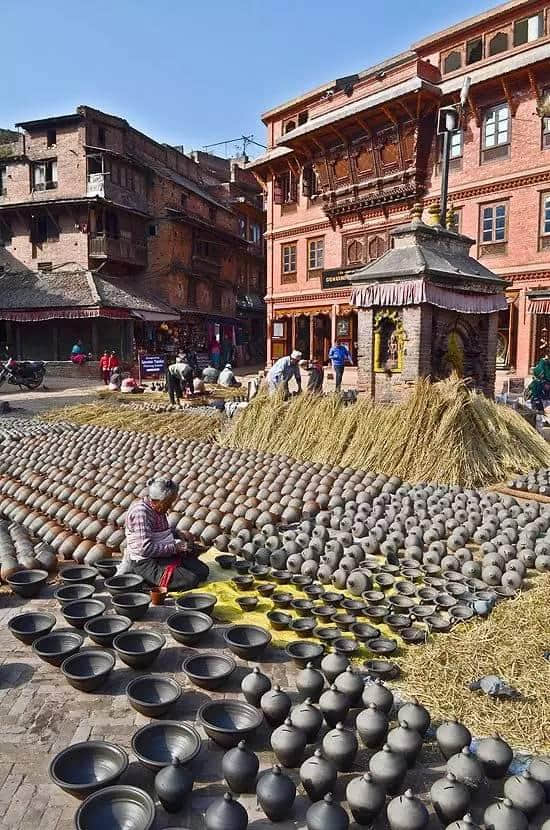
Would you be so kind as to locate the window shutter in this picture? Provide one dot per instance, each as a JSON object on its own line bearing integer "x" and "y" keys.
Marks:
{"x": 277, "y": 191}
{"x": 293, "y": 188}
{"x": 306, "y": 182}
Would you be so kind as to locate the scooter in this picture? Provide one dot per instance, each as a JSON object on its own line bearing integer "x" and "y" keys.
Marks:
{"x": 26, "y": 373}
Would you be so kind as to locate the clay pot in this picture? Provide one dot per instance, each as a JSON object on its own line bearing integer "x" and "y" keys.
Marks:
{"x": 340, "y": 746}
{"x": 276, "y": 793}
{"x": 450, "y": 798}
{"x": 416, "y": 715}
{"x": 539, "y": 769}
{"x": 452, "y": 737}
{"x": 275, "y": 704}
{"x": 254, "y": 685}
{"x": 173, "y": 784}
{"x": 318, "y": 776}
{"x": 504, "y": 816}
{"x": 388, "y": 769}
{"x": 365, "y": 798}
{"x": 288, "y": 744}
{"x": 95, "y": 553}
{"x": 495, "y": 756}
{"x": 351, "y": 684}
{"x": 466, "y": 823}
{"x": 226, "y": 814}
{"x": 379, "y": 694}
{"x": 82, "y": 549}
{"x": 334, "y": 664}
{"x": 466, "y": 768}
{"x": 334, "y": 705}
{"x": 240, "y": 768}
{"x": 405, "y": 740}
{"x": 307, "y": 717}
{"x": 325, "y": 814}
{"x": 525, "y": 793}
{"x": 407, "y": 813}
{"x": 310, "y": 683}
{"x": 372, "y": 726}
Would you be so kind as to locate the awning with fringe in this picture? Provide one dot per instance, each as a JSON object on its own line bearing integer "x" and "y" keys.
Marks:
{"x": 416, "y": 292}
{"x": 41, "y": 314}
{"x": 538, "y": 303}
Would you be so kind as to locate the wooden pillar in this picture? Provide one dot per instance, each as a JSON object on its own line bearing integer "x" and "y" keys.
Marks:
{"x": 94, "y": 346}
{"x": 293, "y": 323}
{"x": 312, "y": 356}
{"x": 268, "y": 334}
{"x": 333, "y": 315}
{"x": 18, "y": 355}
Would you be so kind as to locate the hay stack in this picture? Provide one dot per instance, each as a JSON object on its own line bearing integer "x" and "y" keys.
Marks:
{"x": 444, "y": 432}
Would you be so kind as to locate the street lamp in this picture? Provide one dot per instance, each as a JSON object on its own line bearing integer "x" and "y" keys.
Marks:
{"x": 448, "y": 120}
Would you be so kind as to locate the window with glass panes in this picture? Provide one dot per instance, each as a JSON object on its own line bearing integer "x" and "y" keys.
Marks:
{"x": 493, "y": 223}
{"x": 456, "y": 144}
{"x": 289, "y": 259}
{"x": 545, "y": 214}
{"x": 316, "y": 255}
{"x": 496, "y": 127}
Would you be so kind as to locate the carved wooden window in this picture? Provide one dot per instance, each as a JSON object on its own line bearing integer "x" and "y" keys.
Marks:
{"x": 546, "y": 124}
{"x": 285, "y": 190}
{"x": 302, "y": 117}
{"x": 494, "y": 223}
{"x": 389, "y": 148}
{"x": 528, "y": 29}
{"x": 355, "y": 252}
{"x": 407, "y": 141}
{"x": 474, "y": 50}
{"x": 452, "y": 61}
{"x": 498, "y": 43}
{"x": 310, "y": 183}
{"x": 341, "y": 169}
{"x": 364, "y": 161}
{"x": 545, "y": 221}
{"x": 496, "y": 133}
{"x": 377, "y": 246}
{"x": 321, "y": 170}
{"x": 289, "y": 126}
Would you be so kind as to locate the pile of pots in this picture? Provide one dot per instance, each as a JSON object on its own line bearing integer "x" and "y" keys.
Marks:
{"x": 536, "y": 481}
{"x": 13, "y": 429}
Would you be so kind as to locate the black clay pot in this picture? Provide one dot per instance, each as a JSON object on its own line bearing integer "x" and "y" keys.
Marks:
{"x": 197, "y": 602}
{"x": 288, "y": 744}
{"x": 71, "y": 593}
{"x": 227, "y": 721}
{"x": 27, "y": 583}
{"x": 465, "y": 823}
{"x": 247, "y": 641}
{"x": 416, "y": 715}
{"x": 310, "y": 683}
{"x": 102, "y": 630}
{"x": 156, "y": 744}
{"x": 452, "y": 737}
{"x": 365, "y": 798}
{"x": 318, "y": 776}
{"x": 29, "y": 627}
{"x": 307, "y": 717}
{"x": 350, "y": 683}
{"x": 138, "y": 649}
{"x": 254, "y": 685}
{"x": 539, "y": 769}
{"x": 275, "y": 705}
{"x": 340, "y": 746}
{"x": 466, "y": 768}
{"x": 450, "y": 798}
{"x": 81, "y": 574}
{"x": 239, "y": 768}
{"x": 121, "y": 806}
{"x": 326, "y": 813}
{"x": 405, "y": 740}
{"x": 379, "y": 694}
{"x": 133, "y": 605}
{"x": 525, "y": 793}
{"x": 495, "y": 756}
{"x": 388, "y": 769}
{"x": 334, "y": 664}
{"x": 504, "y": 816}
{"x": 372, "y": 725}
{"x": 78, "y": 613}
{"x": 85, "y": 767}
{"x": 226, "y": 814}
{"x": 334, "y": 705}
{"x": 188, "y": 627}
{"x": 56, "y": 647}
{"x": 173, "y": 785}
{"x": 152, "y": 694}
{"x": 208, "y": 671}
{"x": 276, "y": 793}
{"x": 407, "y": 813}
{"x": 301, "y": 653}
{"x": 123, "y": 584}
{"x": 88, "y": 669}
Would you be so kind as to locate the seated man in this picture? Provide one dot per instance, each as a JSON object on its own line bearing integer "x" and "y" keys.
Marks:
{"x": 152, "y": 551}
{"x": 227, "y": 378}
{"x": 210, "y": 374}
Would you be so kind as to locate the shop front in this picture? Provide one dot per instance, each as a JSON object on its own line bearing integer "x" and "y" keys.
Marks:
{"x": 313, "y": 330}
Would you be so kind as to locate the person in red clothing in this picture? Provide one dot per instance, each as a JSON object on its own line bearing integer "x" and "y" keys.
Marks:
{"x": 104, "y": 367}
{"x": 113, "y": 362}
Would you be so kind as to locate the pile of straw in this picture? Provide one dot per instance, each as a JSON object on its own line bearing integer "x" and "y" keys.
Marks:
{"x": 444, "y": 432}
{"x": 511, "y": 644}
{"x": 178, "y": 424}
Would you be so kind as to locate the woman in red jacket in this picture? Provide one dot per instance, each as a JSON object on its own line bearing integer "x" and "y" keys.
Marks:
{"x": 104, "y": 367}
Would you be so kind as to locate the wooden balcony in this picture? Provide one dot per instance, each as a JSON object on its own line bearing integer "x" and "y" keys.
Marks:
{"x": 206, "y": 266}
{"x": 117, "y": 249}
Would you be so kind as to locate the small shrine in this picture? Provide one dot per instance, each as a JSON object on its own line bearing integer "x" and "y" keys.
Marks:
{"x": 425, "y": 308}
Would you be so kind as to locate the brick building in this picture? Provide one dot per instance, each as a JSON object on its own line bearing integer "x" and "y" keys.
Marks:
{"x": 346, "y": 161}
{"x": 111, "y": 237}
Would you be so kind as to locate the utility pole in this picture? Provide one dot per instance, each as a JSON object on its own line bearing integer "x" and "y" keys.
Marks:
{"x": 448, "y": 120}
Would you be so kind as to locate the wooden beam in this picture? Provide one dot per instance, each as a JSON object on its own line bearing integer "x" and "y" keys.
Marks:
{"x": 339, "y": 135}
{"x": 475, "y": 109}
{"x": 363, "y": 126}
{"x": 318, "y": 144}
{"x": 262, "y": 182}
{"x": 407, "y": 110}
{"x": 389, "y": 114}
{"x": 534, "y": 88}
{"x": 512, "y": 102}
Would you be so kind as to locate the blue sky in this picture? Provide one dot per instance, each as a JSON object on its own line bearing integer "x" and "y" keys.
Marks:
{"x": 194, "y": 73}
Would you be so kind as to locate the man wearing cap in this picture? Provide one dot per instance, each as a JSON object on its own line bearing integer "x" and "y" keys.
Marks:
{"x": 227, "y": 377}
{"x": 282, "y": 371}
{"x": 179, "y": 377}
{"x": 152, "y": 551}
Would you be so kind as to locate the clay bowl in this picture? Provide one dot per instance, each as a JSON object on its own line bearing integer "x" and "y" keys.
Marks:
{"x": 259, "y": 571}
{"x": 438, "y": 623}
{"x": 138, "y": 649}
{"x": 377, "y": 613}
{"x": 333, "y": 598}
{"x": 27, "y": 583}
{"x": 406, "y": 588}
{"x": 373, "y": 597}
{"x": 302, "y": 652}
{"x": 385, "y": 580}
{"x": 267, "y": 589}
{"x": 187, "y": 627}
{"x": 56, "y": 647}
{"x": 155, "y": 744}
{"x": 364, "y": 632}
{"x": 29, "y": 627}
{"x": 88, "y": 669}
{"x": 398, "y": 621}
{"x": 345, "y": 645}
{"x": 247, "y": 603}
{"x": 324, "y": 612}
{"x": 152, "y": 694}
{"x": 302, "y": 581}
{"x": 343, "y": 621}
{"x": 353, "y": 606}
{"x": 208, "y": 671}
{"x": 423, "y": 611}
{"x": 117, "y": 808}
{"x": 133, "y": 605}
{"x": 428, "y": 594}
{"x": 327, "y": 633}
{"x": 227, "y": 722}
{"x": 81, "y": 574}
{"x": 79, "y": 612}
{"x": 281, "y": 599}
{"x": 303, "y": 626}
{"x": 413, "y": 635}
{"x": 72, "y": 593}
{"x": 314, "y": 591}
{"x": 302, "y": 606}
{"x": 242, "y": 566}
{"x": 197, "y": 602}
{"x": 281, "y": 577}
{"x": 278, "y": 620}
{"x": 123, "y": 584}
{"x": 107, "y": 567}
{"x": 85, "y": 767}
{"x": 247, "y": 641}
{"x": 460, "y": 613}
{"x": 382, "y": 645}
{"x": 243, "y": 583}
{"x": 401, "y": 603}
{"x": 384, "y": 669}
{"x": 103, "y": 630}
{"x": 226, "y": 560}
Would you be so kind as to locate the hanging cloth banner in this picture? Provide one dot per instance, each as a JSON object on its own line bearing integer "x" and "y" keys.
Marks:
{"x": 416, "y": 292}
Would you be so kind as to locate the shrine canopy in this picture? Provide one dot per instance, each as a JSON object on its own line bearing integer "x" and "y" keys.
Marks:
{"x": 429, "y": 264}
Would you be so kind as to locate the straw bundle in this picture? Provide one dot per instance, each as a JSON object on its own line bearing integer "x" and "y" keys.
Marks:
{"x": 444, "y": 432}
{"x": 511, "y": 644}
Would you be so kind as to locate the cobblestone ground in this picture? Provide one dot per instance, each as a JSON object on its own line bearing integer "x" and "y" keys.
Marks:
{"x": 40, "y": 714}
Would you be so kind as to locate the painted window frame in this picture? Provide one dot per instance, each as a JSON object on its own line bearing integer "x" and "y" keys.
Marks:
{"x": 289, "y": 265}
{"x": 318, "y": 254}
{"x": 493, "y": 206}
{"x": 544, "y": 223}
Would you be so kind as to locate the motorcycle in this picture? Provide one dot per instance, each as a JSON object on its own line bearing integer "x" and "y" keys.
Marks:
{"x": 25, "y": 373}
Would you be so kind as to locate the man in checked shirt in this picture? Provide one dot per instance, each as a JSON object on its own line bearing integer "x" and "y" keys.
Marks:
{"x": 152, "y": 550}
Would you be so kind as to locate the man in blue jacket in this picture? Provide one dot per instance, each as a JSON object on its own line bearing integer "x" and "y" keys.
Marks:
{"x": 339, "y": 355}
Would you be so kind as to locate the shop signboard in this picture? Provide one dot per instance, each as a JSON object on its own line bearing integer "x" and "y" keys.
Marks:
{"x": 151, "y": 366}
{"x": 337, "y": 277}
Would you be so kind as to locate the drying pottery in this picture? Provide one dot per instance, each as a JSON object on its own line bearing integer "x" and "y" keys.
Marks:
{"x": 302, "y": 653}
{"x": 310, "y": 683}
{"x": 253, "y": 686}
{"x": 208, "y": 671}
{"x": 29, "y": 627}
{"x": 379, "y": 694}
{"x": 71, "y": 593}
{"x": 276, "y": 793}
{"x": 334, "y": 664}
{"x": 318, "y": 776}
{"x": 27, "y": 583}
{"x": 452, "y": 737}
{"x": 307, "y": 717}
{"x": 102, "y": 630}
{"x": 197, "y": 602}
{"x": 450, "y": 798}
{"x": 340, "y": 746}
{"x": 326, "y": 813}
{"x": 504, "y": 816}
{"x": 79, "y": 612}
{"x": 87, "y": 669}
{"x": 123, "y": 584}
{"x": 138, "y": 649}
{"x": 495, "y": 756}
{"x": 227, "y": 722}
{"x": 123, "y": 805}
{"x": 188, "y": 627}
{"x": 54, "y": 648}
{"x": 525, "y": 793}
{"x": 247, "y": 641}
{"x": 288, "y": 743}
{"x": 365, "y": 798}
{"x": 405, "y": 740}
{"x": 152, "y": 694}
{"x": 226, "y": 814}
{"x": 85, "y": 767}
{"x": 275, "y": 705}
{"x": 416, "y": 715}
{"x": 239, "y": 768}
{"x": 539, "y": 769}
{"x": 173, "y": 784}
{"x": 334, "y": 705}
{"x": 155, "y": 744}
{"x": 133, "y": 605}
{"x": 388, "y": 769}
{"x": 405, "y": 812}
{"x": 372, "y": 725}
{"x": 466, "y": 768}
{"x": 351, "y": 684}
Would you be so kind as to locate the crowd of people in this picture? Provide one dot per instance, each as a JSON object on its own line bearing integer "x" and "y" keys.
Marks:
{"x": 289, "y": 367}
